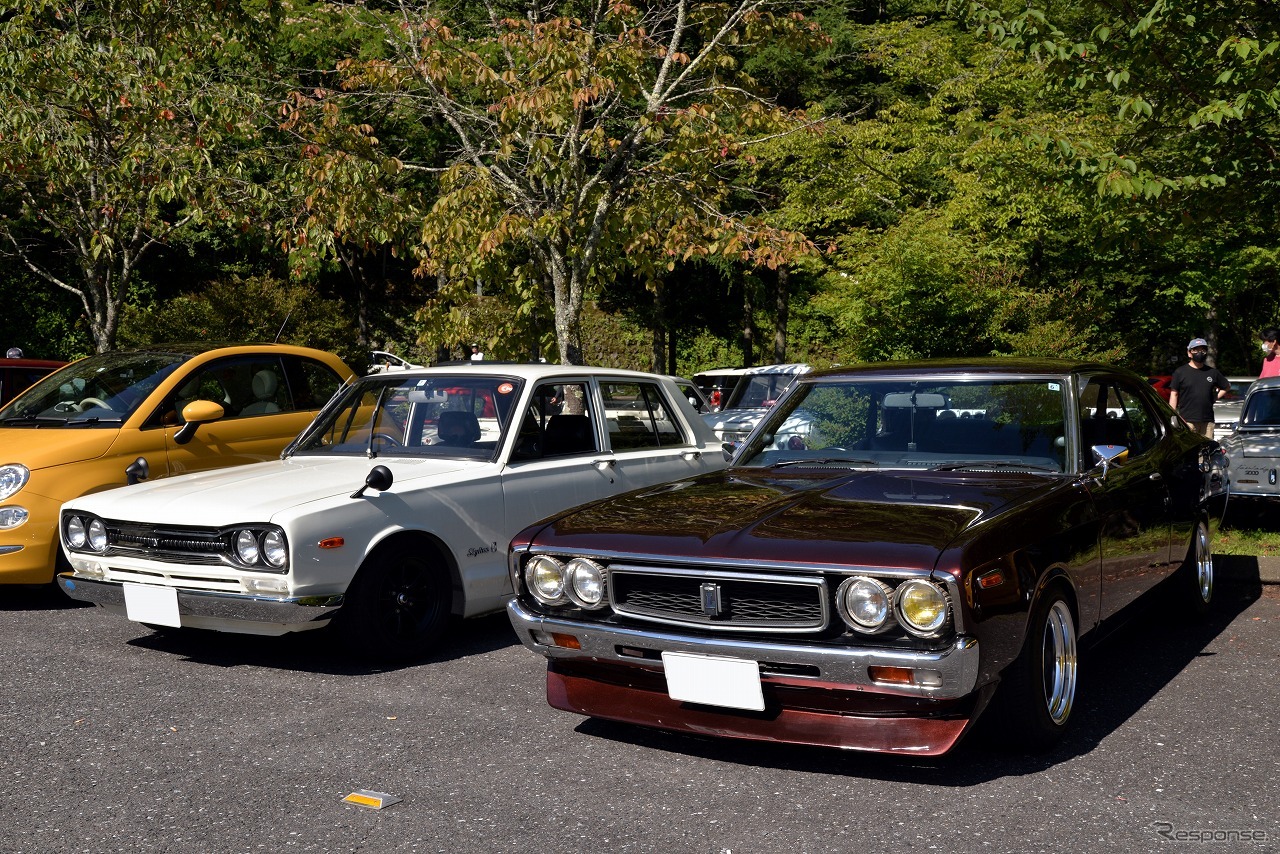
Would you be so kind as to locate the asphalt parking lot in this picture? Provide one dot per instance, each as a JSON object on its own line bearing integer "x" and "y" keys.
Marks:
{"x": 116, "y": 739}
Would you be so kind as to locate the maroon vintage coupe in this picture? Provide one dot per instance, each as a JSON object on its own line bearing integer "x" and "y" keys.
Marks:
{"x": 896, "y": 548}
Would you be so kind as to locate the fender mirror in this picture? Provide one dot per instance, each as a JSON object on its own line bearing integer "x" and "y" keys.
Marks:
{"x": 379, "y": 478}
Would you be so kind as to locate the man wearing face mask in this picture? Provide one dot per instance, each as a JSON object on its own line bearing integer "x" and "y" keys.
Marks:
{"x": 1270, "y": 353}
{"x": 1195, "y": 386}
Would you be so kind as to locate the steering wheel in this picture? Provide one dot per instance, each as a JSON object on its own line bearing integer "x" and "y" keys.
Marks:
{"x": 389, "y": 439}
{"x": 90, "y": 402}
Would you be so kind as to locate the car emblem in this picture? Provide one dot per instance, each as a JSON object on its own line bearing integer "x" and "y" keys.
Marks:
{"x": 711, "y": 605}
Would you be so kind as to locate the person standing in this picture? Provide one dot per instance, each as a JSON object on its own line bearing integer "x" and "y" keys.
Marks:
{"x": 1195, "y": 386}
{"x": 476, "y": 355}
{"x": 1270, "y": 353}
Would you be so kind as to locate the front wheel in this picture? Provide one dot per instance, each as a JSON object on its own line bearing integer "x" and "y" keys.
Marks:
{"x": 398, "y": 605}
{"x": 1196, "y": 582}
{"x": 1039, "y": 689}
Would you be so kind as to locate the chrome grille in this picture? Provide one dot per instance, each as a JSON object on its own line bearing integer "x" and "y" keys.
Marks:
{"x": 204, "y": 546}
{"x": 743, "y": 601}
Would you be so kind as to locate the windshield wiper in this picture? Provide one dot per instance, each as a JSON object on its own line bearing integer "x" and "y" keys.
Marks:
{"x": 824, "y": 461}
{"x": 33, "y": 419}
{"x": 77, "y": 422}
{"x": 994, "y": 464}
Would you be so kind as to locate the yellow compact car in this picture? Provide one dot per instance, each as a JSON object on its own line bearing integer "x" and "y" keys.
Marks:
{"x": 119, "y": 417}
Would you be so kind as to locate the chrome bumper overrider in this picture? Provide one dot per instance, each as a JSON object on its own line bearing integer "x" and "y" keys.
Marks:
{"x": 842, "y": 668}
{"x": 216, "y": 604}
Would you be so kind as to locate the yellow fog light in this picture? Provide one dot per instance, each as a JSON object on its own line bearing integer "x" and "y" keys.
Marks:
{"x": 921, "y": 607}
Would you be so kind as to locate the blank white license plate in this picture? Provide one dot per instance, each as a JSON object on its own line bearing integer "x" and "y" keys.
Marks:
{"x": 146, "y": 603}
{"x": 733, "y": 683}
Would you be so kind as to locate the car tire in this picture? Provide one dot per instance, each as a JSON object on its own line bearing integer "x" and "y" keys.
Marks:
{"x": 1038, "y": 689}
{"x": 398, "y": 605}
{"x": 1196, "y": 576}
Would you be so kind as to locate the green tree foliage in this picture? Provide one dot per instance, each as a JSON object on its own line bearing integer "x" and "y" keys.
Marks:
{"x": 579, "y": 146}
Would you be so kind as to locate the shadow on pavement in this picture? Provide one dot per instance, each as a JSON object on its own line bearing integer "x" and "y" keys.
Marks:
{"x": 37, "y": 597}
{"x": 1118, "y": 677}
{"x": 322, "y": 650}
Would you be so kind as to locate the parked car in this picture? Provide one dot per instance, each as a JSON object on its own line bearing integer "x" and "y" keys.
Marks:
{"x": 693, "y": 394}
{"x": 159, "y": 411}
{"x": 1226, "y": 412}
{"x": 1162, "y": 384}
{"x": 757, "y": 389}
{"x": 1253, "y": 445}
{"x": 380, "y": 361}
{"x": 18, "y": 374}
{"x": 717, "y": 384}
{"x": 872, "y": 587}
{"x": 389, "y": 513}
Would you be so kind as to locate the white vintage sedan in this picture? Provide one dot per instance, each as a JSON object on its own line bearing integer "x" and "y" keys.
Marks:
{"x": 388, "y": 514}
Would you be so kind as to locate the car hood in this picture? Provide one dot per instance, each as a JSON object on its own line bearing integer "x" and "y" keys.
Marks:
{"x": 734, "y": 418}
{"x": 868, "y": 518}
{"x": 256, "y": 492}
{"x": 45, "y": 447}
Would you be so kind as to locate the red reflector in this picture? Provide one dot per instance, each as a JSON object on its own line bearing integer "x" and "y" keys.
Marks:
{"x": 992, "y": 579}
{"x": 566, "y": 641}
{"x": 892, "y": 675}
{"x": 332, "y": 543}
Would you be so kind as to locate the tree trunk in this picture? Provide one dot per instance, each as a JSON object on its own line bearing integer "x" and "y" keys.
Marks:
{"x": 782, "y": 302}
{"x": 748, "y": 327}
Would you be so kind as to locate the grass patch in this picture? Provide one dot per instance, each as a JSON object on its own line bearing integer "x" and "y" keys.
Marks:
{"x": 1247, "y": 541}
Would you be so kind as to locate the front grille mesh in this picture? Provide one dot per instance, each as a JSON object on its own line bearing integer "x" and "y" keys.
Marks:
{"x": 744, "y": 601}
{"x": 204, "y": 546}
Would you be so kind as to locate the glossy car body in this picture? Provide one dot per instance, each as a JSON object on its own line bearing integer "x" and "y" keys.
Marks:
{"x": 1253, "y": 444}
{"x": 943, "y": 528}
{"x": 19, "y": 374}
{"x": 393, "y": 510}
{"x": 755, "y": 392}
{"x": 180, "y": 408}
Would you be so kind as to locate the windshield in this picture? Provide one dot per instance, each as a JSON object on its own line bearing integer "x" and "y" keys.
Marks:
{"x": 934, "y": 423}
{"x": 1263, "y": 409}
{"x": 460, "y": 416}
{"x": 755, "y": 391}
{"x": 104, "y": 389}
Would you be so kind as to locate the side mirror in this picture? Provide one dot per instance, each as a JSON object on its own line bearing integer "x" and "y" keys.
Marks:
{"x": 728, "y": 448}
{"x": 1108, "y": 454}
{"x": 379, "y": 478}
{"x": 137, "y": 471}
{"x": 195, "y": 413}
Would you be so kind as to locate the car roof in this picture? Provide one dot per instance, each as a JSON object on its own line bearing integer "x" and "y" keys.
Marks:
{"x": 985, "y": 365}
{"x": 523, "y": 370}
{"x": 1260, "y": 383}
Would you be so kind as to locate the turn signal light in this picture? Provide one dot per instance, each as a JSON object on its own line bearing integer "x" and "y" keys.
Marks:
{"x": 332, "y": 543}
{"x": 890, "y": 675}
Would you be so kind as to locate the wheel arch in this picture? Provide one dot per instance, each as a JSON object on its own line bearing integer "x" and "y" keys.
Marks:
{"x": 423, "y": 541}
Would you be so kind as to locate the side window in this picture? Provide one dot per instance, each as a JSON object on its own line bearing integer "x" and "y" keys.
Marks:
{"x": 638, "y": 417}
{"x": 243, "y": 386}
{"x": 1141, "y": 428}
{"x": 311, "y": 383}
{"x": 558, "y": 423}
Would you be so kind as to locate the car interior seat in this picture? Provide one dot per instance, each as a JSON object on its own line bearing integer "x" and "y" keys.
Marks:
{"x": 265, "y": 384}
{"x": 568, "y": 434}
{"x": 457, "y": 428}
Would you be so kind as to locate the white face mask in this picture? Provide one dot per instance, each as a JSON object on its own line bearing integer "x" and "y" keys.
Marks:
{"x": 1267, "y": 346}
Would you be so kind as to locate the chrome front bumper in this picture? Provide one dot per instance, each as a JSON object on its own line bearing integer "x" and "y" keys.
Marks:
{"x": 843, "y": 668}
{"x": 206, "y": 606}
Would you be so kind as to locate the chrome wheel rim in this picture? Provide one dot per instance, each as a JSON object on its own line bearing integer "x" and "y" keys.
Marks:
{"x": 1059, "y": 656}
{"x": 1204, "y": 565}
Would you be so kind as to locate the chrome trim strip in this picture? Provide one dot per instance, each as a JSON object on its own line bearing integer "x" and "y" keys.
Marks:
{"x": 246, "y": 607}
{"x": 838, "y": 667}
{"x": 8, "y": 550}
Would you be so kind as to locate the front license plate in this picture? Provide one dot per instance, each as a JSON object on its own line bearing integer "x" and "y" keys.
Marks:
{"x": 145, "y": 603}
{"x": 733, "y": 683}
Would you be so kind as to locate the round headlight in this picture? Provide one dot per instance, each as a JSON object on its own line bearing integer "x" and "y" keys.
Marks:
{"x": 586, "y": 582}
{"x": 12, "y": 478}
{"x": 921, "y": 606}
{"x": 864, "y": 603}
{"x": 273, "y": 548}
{"x": 97, "y": 536}
{"x": 247, "y": 546}
{"x": 76, "y": 535}
{"x": 545, "y": 577}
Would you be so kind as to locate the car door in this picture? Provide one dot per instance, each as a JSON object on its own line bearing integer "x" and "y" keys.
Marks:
{"x": 649, "y": 441}
{"x": 266, "y": 403}
{"x": 557, "y": 458}
{"x": 1132, "y": 497}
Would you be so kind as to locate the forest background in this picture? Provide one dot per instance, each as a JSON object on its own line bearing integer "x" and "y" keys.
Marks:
{"x": 665, "y": 185}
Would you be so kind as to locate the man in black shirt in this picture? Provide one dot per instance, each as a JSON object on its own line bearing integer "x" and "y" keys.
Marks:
{"x": 1195, "y": 386}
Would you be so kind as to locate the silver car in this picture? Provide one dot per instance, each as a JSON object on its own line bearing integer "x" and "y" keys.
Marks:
{"x": 1253, "y": 447}
{"x": 1226, "y": 412}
